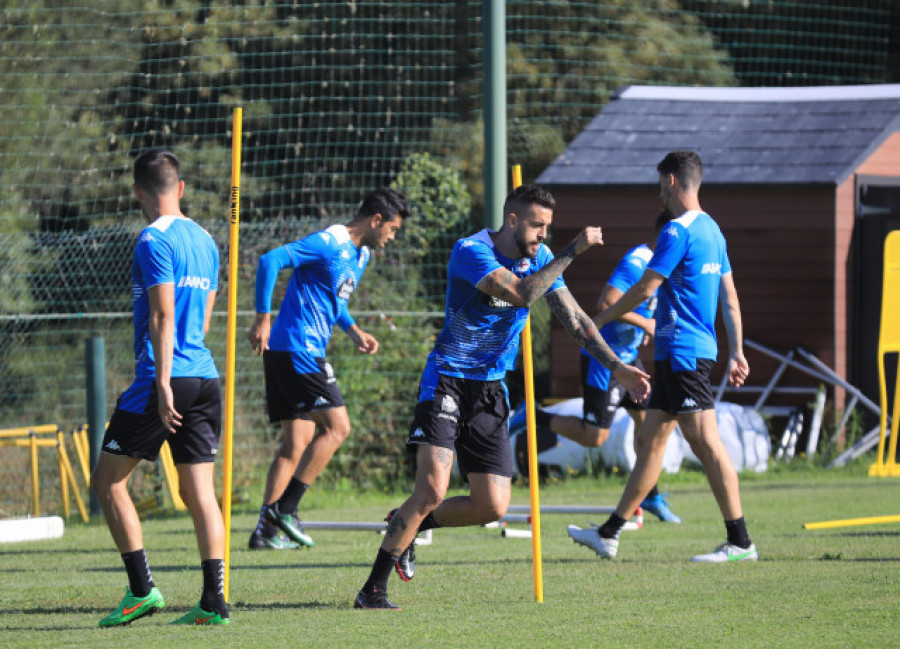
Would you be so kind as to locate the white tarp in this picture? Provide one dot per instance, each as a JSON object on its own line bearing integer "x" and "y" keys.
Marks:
{"x": 743, "y": 432}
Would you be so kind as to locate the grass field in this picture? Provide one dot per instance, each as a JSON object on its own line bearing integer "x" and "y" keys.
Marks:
{"x": 833, "y": 588}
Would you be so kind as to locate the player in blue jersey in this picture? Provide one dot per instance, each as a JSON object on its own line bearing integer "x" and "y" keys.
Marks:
{"x": 691, "y": 270}
{"x": 175, "y": 394}
{"x": 492, "y": 280}
{"x": 602, "y": 395}
{"x": 301, "y": 389}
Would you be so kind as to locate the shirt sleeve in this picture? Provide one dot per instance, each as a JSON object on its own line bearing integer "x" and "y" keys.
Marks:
{"x": 270, "y": 264}
{"x": 154, "y": 257}
{"x": 670, "y": 249}
{"x": 472, "y": 262}
{"x": 344, "y": 319}
{"x": 627, "y": 272}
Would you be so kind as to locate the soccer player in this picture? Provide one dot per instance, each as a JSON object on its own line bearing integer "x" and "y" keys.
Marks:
{"x": 690, "y": 267}
{"x": 601, "y": 392}
{"x": 175, "y": 395}
{"x": 301, "y": 389}
{"x": 492, "y": 280}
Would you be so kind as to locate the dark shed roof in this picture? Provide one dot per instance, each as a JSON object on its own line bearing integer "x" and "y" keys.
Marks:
{"x": 744, "y": 135}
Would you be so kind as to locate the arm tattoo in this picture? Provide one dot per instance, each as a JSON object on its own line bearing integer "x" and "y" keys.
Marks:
{"x": 444, "y": 456}
{"x": 528, "y": 290}
{"x": 582, "y": 328}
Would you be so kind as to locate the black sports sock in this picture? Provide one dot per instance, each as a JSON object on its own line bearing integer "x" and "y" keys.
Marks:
{"x": 542, "y": 417}
{"x": 612, "y": 527}
{"x": 140, "y": 581}
{"x": 381, "y": 570}
{"x": 213, "y": 598}
{"x": 653, "y": 492}
{"x": 737, "y": 533}
{"x": 290, "y": 499}
{"x": 429, "y": 523}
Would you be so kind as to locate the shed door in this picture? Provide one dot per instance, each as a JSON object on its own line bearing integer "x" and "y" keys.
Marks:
{"x": 878, "y": 212}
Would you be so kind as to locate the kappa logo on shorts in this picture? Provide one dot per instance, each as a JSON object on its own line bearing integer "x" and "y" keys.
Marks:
{"x": 688, "y": 403}
{"x": 321, "y": 401}
{"x": 591, "y": 418}
{"x": 417, "y": 433}
{"x": 113, "y": 445}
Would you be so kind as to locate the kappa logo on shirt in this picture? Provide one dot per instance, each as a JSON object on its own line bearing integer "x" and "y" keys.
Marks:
{"x": 672, "y": 231}
{"x": 345, "y": 254}
{"x": 147, "y": 237}
{"x": 711, "y": 269}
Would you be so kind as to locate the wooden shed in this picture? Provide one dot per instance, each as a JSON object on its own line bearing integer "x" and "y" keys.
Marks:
{"x": 804, "y": 182}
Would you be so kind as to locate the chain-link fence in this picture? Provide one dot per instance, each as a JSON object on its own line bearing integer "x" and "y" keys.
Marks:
{"x": 338, "y": 98}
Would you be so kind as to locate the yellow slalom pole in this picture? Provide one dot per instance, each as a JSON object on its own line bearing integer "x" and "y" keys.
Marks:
{"x": 847, "y": 522}
{"x": 531, "y": 424}
{"x": 233, "y": 237}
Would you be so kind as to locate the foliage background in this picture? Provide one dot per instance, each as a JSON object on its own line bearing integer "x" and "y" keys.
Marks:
{"x": 338, "y": 98}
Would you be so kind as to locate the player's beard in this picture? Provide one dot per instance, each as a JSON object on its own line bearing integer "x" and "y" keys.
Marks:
{"x": 524, "y": 246}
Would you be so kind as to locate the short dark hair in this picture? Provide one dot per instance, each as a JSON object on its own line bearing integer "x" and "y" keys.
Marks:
{"x": 385, "y": 201}
{"x": 157, "y": 171}
{"x": 661, "y": 219}
{"x": 685, "y": 165}
{"x": 525, "y": 195}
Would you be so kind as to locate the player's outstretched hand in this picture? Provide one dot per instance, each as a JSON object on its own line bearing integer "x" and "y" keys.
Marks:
{"x": 365, "y": 342}
{"x": 588, "y": 238}
{"x": 738, "y": 370}
{"x": 636, "y": 381}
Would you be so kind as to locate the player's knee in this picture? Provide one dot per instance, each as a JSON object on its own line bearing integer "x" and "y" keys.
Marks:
{"x": 595, "y": 436}
{"x": 337, "y": 431}
{"x": 428, "y": 498}
{"x": 493, "y": 510}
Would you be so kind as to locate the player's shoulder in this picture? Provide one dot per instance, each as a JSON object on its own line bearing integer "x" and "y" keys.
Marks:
{"x": 639, "y": 255}
{"x": 478, "y": 243}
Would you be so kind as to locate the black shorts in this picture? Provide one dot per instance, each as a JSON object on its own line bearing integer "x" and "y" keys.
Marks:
{"x": 600, "y": 406}
{"x": 470, "y": 417}
{"x": 290, "y": 395}
{"x": 141, "y": 435}
{"x": 682, "y": 391}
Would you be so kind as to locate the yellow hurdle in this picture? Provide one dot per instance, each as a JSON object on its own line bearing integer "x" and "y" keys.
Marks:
{"x": 847, "y": 522}
{"x": 889, "y": 342}
{"x": 33, "y": 438}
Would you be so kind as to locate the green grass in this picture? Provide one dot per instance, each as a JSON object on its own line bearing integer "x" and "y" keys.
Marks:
{"x": 832, "y": 588}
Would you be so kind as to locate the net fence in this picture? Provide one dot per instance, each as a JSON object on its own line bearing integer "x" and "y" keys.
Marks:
{"x": 338, "y": 98}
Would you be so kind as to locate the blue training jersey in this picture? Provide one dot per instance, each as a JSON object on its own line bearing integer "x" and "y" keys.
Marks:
{"x": 692, "y": 256}
{"x": 327, "y": 269}
{"x": 625, "y": 339}
{"x": 172, "y": 250}
{"x": 480, "y": 337}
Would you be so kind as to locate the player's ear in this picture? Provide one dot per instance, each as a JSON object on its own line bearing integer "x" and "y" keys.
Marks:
{"x": 375, "y": 220}
{"x": 180, "y": 188}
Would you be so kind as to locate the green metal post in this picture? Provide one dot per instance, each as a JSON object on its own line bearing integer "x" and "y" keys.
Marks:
{"x": 95, "y": 380}
{"x": 494, "y": 61}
